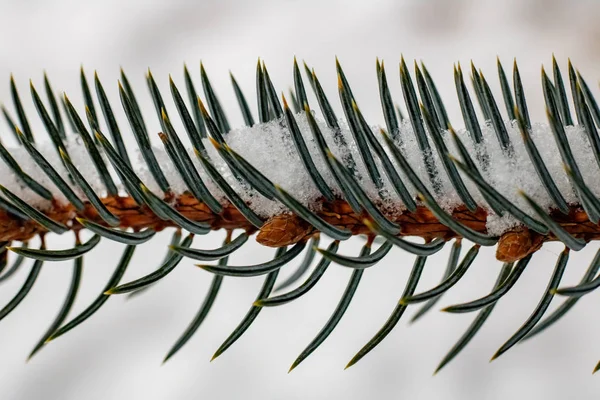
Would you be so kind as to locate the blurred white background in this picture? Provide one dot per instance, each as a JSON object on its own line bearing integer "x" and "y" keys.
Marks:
{"x": 118, "y": 353}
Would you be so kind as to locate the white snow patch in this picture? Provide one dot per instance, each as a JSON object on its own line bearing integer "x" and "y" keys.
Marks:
{"x": 270, "y": 148}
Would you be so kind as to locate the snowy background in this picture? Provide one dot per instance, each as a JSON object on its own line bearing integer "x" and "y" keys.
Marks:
{"x": 117, "y": 353}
